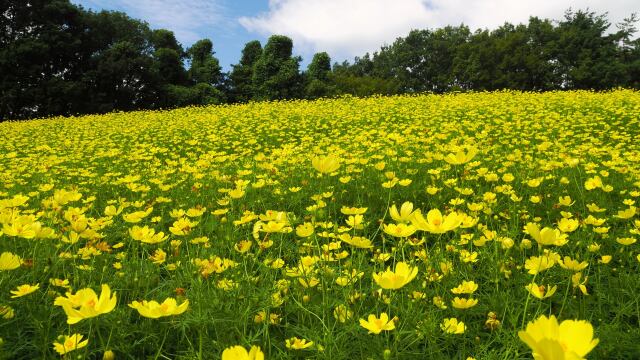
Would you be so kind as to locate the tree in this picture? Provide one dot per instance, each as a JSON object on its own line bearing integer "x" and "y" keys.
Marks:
{"x": 318, "y": 81}
{"x": 241, "y": 77}
{"x": 205, "y": 72}
{"x": 588, "y": 59}
{"x": 41, "y": 47}
{"x": 276, "y": 74}
{"x": 205, "y": 68}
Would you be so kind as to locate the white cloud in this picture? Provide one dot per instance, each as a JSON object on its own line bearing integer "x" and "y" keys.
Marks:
{"x": 346, "y": 28}
{"x": 188, "y": 19}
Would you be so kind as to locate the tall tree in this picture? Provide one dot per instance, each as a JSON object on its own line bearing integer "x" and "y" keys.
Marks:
{"x": 318, "y": 81}
{"x": 276, "y": 74}
{"x": 205, "y": 73}
{"x": 41, "y": 43}
{"x": 121, "y": 74}
{"x": 241, "y": 77}
{"x": 587, "y": 56}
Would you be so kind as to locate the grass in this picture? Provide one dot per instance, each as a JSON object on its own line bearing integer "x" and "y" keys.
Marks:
{"x": 235, "y": 169}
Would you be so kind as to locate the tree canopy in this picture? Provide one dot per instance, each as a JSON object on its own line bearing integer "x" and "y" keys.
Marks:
{"x": 57, "y": 58}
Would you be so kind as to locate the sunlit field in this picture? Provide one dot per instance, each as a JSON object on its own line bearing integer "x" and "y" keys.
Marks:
{"x": 482, "y": 226}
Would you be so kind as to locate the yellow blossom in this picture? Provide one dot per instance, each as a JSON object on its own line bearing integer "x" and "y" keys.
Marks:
{"x": 452, "y": 326}
{"x": 539, "y": 291}
{"x": 23, "y": 290}
{"x": 295, "y": 343}
{"x": 240, "y": 353}
{"x": 435, "y": 223}
{"x": 377, "y": 325}
{"x": 402, "y": 275}
{"x": 65, "y": 344}
{"x": 152, "y": 309}
{"x": 9, "y": 261}
{"x": 86, "y": 304}
{"x": 548, "y": 340}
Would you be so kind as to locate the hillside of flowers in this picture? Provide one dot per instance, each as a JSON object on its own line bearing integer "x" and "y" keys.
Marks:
{"x": 467, "y": 226}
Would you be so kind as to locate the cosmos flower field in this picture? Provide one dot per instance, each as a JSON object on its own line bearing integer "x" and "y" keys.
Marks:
{"x": 471, "y": 226}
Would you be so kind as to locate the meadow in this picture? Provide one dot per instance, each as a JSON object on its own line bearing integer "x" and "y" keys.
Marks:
{"x": 410, "y": 227}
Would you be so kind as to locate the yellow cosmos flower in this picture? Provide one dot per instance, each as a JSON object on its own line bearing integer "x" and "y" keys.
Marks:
{"x": 240, "y": 353}
{"x": 548, "y": 340}
{"x": 152, "y": 309}
{"x": 23, "y": 290}
{"x": 577, "y": 282}
{"x": 305, "y": 230}
{"x": 460, "y": 157}
{"x": 626, "y": 241}
{"x": 353, "y": 210}
{"x": 295, "y": 343}
{"x": 435, "y": 223}
{"x": 86, "y": 304}
{"x": 65, "y": 344}
{"x": 325, "y": 164}
{"x": 467, "y": 287}
{"x": 539, "y": 291}
{"x": 546, "y": 236}
{"x": 568, "y": 225}
{"x": 402, "y": 275}
{"x": 626, "y": 213}
{"x": 462, "y": 304}
{"x": 356, "y": 241}
{"x": 573, "y": 265}
{"x": 565, "y": 201}
{"x": 137, "y": 216}
{"x": 538, "y": 264}
{"x": 377, "y": 325}
{"x": 399, "y": 230}
{"x": 9, "y": 261}
{"x": 146, "y": 235}
{"x": 452, "y": 326}
{"x": 405, "y": 214}
{"x": 342, "y": 313}
{"x": 182, "y": 226}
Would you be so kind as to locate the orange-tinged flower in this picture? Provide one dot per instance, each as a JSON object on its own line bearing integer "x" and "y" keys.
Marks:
{"x": 402, "y": 275}
{"x": 435, "y": 223}
{"x": 399, "y": 230}
{"x": 65, "y": 344}
{"x": 548, "y": 340}
{"x": 539, "y": 291}
{"x": 152, "y": 309}
{"x": 86, "y": 304}
{"x": 377, "y": 325}
{"x": 23, "y": 290}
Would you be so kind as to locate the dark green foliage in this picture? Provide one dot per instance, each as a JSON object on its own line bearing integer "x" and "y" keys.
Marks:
{"x": 241, "y": 76}
{"x": 319, "y": 82}
{"x": 276, "y": 73}
{"x": 205, "y": 68}
{"x": 57, "y": 58}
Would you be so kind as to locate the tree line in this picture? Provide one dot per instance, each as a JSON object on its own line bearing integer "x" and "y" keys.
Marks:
{"x": 57, "y": 58}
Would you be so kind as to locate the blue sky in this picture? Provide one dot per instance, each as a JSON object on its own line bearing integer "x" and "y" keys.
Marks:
{"x": 343, "y": 28}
